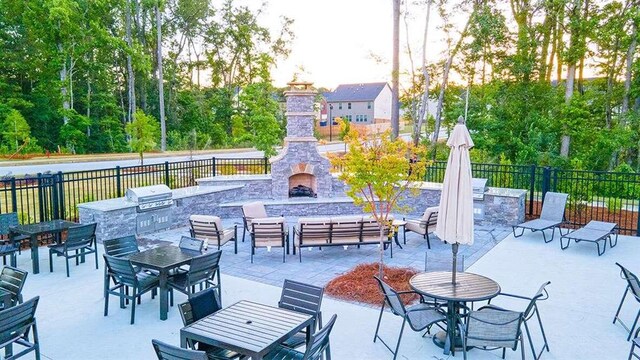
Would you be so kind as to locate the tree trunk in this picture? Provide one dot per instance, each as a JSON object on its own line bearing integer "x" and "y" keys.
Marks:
{"x": 163, "y": 126}
{"x": 395, "y": 72}
{"x": 381, "y": 263}
{"x": 131, "y": 94}
{"x": 560, "y": 42}
{"x": 63, "y": 88}
{"x": 626, "y": 99}
{"x": 423, "y": 109}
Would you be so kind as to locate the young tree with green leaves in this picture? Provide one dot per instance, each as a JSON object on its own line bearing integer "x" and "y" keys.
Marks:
{"x": 144, "y": 132}
{"x": 378, "y": 173}
{"x": 15, "y": 130}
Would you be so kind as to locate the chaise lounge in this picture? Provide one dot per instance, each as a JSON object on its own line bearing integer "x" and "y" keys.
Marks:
{"x": 551, "y": 217}
{"x": 594, "y": 231}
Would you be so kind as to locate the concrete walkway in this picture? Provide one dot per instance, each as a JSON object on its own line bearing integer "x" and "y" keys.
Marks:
{"x": 585, "y": 291}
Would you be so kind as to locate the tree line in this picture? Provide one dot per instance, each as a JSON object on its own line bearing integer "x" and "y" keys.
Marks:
{"x": 547, "y": 82}
{"x": 74, "y": 73}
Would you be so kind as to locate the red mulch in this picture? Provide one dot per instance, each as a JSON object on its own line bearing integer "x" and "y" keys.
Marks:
{"x": 359, "y": 285}
{"x": 624, "y": 218}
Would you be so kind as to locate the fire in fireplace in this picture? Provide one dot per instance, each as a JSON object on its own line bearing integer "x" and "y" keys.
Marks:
{"x": 302, "y": 191}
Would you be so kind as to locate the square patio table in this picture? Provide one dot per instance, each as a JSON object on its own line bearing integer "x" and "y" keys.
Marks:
{"x": 33, "y": 230}
{"x": 248, "y": 328}
{"x": 163, "y": 259}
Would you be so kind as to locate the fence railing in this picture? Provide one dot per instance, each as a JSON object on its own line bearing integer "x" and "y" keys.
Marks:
{"x": 593, "y": 195}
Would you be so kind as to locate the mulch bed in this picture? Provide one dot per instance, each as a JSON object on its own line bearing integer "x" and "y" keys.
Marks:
{"x": 359, "y": 285}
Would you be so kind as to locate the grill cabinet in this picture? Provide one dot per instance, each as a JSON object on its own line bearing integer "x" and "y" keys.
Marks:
{"x": 153, "y": 207}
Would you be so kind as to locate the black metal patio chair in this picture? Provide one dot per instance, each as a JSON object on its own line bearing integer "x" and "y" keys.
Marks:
{"x": 165, "y": 351}
{"x": 12, "y": 280}
{"x": 529, "y": 312}
{"x": 187, "y": 243}
{"x": 420, "y": 316}
{"x": 250, "y": 211}
{"x": 318, "y": 346}
{"x": 125, "y": 276}
{"x": 633, "y": 285}
{"x": 18, "y": 326}
{"x": 269, "y": 233}
{"x": 551, "y": 216}
{"x": 492, "y": 329}
{"x": 200, "y": 305}
{"x": 7, "y": 221}
{"x": 203, "y": 270}
{"x": 303, "y": 298}
{"x": 635, "y": 343}
{"x": 121, "y": 247}
{"x": 81, "y": 241}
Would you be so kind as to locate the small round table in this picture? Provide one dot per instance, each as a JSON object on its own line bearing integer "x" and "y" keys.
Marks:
{"x": 469, "y": 287}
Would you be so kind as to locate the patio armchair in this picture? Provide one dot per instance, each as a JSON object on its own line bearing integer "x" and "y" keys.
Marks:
{"x": 635, "y": 343}
{"x": 7, "y": 221}
{"x": 125, "y": 276}
{"x": 420, "y": 316}
{"x": 250, "y": 211}
{"x": 633, "y": 285}
{"x": 492, "y": 329}
{"x": 594, "y": 231}
{"x": 17, "y": 325}
{"x": 191, "y": 244}
{"x": 529, "y": 312}
{"x": 424, "y": 225}
{"x": 268, "y": 233}
{"x": 318, "y": 345}
{"x": 551, "y": 216}
{"x": 12, "y": 280}
{"x": 203, "y": 270}
{"x": 165, "y": 351}
{"x": 209, "y": 228}
{"x": 81, "y": 241}
{"x": 303, "y": 298}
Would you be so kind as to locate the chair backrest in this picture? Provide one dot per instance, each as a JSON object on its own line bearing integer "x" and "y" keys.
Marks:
{"x": 319, "y": 341}
{"x": 268, "y": 230}
{"x": 391, "y": 297}
{"x": 121, "y": 269}
{"x": 493, "y": 328}
{"x": 632, "y": 281}
{"x": 203, "y": 267}
{"x": 187, "y": 243}
{"x": 601, "y": 226}
{"x": 17, "y": 321}
{"x": 170, "y": 352}
{"x": 12, "y": 280}
{"x": 553, "y": 206}
{"x": 200, "y": 305}
{"x": 81, "y": 235}
{"x": 121, "y": 246}
{"x": 542, "y": 294}
{"x": 205, "y": 227}
{"x": 430, "y": 215}
{"x": 301, "y": 297}
{"x": 254, "y": 210}
{"x": 7, "y": 221}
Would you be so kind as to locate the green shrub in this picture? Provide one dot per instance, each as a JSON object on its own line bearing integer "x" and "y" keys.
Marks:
{"x": 614, "y": 204}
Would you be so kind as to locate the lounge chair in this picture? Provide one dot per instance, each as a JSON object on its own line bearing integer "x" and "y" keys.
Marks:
{"x": 424, "y": 225}
{"x": 551, "y": 217}
{"x": 633, "y": 285}
{"x": 594, "y": 231}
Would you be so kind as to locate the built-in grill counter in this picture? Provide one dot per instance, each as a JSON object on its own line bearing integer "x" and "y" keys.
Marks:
{"x": 153, "y": 205}
{"x": 479, "y": 187}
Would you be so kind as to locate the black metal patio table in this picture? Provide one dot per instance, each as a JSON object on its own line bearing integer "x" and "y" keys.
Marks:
{"x": 469, "y": 287}
{"x": 248, "y": 328}
{"x": 163, "y": 259}
{"x": 54, "y": 227}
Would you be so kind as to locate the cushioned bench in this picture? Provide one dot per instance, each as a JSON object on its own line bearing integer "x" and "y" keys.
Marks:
{"x": 338, "y": 231}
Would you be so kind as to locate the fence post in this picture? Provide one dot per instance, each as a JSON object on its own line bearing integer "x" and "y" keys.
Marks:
{"x": 61, "y": 194}
{"x": 546, "y": 180}
{"x": 118, "y": 182}
{"x": 40, "y": 197}
{"x": 638, "y": 224}
{"x": 213, "y": 166}
{"x": 55, "y": 211}
{"x": 14, "y": 195}
{"x": 532, "y": 188}
{"x": 166, "y": 173}
{"x": 266, "y": 164}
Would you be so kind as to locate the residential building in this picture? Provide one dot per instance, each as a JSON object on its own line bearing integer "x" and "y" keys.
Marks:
{"x": 359, "y": 103}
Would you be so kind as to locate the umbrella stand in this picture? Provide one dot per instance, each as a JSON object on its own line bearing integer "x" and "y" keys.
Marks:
{"x": 454, "y": 248}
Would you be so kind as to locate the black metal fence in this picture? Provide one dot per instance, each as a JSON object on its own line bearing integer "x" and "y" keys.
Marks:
{"x": 594, "y": 195}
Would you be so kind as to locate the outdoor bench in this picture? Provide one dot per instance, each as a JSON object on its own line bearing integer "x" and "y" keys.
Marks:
{"x": 338, "y": 231}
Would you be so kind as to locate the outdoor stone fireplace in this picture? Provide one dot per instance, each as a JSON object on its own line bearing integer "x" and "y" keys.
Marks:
{"x": 299, "y": 162}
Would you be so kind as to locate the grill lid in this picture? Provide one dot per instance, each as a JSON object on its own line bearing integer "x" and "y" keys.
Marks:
{"x": 147, "y": 194}
{"x": 479, "y": 187}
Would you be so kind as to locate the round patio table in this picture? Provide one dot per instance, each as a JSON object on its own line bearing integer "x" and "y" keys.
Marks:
{"x": 469, "y": 287}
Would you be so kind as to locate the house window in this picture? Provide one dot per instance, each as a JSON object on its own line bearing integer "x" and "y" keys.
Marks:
{"x": 349, "y": 106}
{"x": 364, "y": 118}
{"x": 339, "y": 106}
{"x": 369, "y": 105}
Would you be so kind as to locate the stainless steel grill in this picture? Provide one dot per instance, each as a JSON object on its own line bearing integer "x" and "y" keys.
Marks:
{"x": 154, "y": 207}
{"x": 479, "y": 188}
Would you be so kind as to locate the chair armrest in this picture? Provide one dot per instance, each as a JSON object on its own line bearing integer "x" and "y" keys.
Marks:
{"x": 515, "y": 296}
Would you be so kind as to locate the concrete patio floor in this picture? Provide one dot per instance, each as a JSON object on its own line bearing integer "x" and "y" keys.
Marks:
{"x": 584, "y": 293}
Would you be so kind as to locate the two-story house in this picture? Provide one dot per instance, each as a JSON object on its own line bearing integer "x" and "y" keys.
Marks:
{"x": 359, "y": 103}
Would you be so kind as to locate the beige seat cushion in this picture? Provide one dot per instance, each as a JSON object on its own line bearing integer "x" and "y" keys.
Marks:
{"x": 254, "y": 210}
{"x": 417, "y": 226}
{"x": 204, "y": 229}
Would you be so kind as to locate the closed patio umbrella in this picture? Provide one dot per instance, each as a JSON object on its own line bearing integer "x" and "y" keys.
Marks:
{"x": 455, "y": 220}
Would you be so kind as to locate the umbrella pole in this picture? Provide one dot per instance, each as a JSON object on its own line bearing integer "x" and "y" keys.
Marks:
{"x": 454, "y": 248}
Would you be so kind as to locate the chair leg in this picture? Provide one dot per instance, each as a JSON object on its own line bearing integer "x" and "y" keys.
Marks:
{"x": 513, "y": 228}
{"x": 133, "y": 306}
{"x": 395, "y": 354}
{"x": 96, "y": 256}
{"x": 106, "y": 300}
{"x": 50, "y": 261}
{"x": 77, "y": 260}
{"x": 635, "y": 322}
{"x": 521, "y": 347}
{"x": 375, "y": 336}
{"x": 428, "y": 241}
{"x": 244, "y": 232}
{"x": 615, "y": 317}
{"x": 66, "y": 261}
{"x": 544, "y": 335}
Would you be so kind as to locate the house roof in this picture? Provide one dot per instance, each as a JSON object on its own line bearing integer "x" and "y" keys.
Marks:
{"x": 356, "y": 92}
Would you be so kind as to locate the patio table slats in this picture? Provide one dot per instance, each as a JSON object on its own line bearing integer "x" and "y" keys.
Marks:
{"x": 470, "y": 287}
